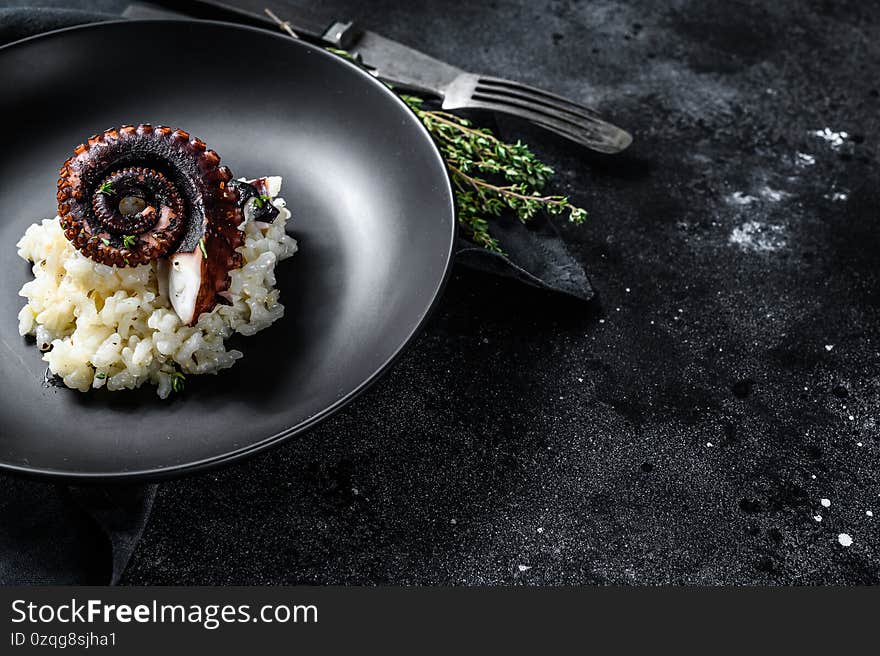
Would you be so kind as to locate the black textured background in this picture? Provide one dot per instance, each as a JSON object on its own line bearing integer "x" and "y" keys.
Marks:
{"x": 683, "y": 428}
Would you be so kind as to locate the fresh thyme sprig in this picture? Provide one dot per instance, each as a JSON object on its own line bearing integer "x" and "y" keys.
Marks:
{"x": 489, "y": 175}
{"x": 106, "y": 188}
{"x": 128, "y": 241}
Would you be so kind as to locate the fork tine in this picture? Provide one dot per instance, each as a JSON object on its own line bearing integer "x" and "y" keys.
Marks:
{"x": 530, "y": 104}
{"x": 590, "y": 131}
{"x": 606, "y": 146}
{"x": 500, "y": 85}
{"x": 555, "y": 113}
{"x": 526, "y": 95}
{"x": 599, "y": 136}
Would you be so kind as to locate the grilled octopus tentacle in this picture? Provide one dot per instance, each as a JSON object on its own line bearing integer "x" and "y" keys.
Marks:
{"x": 135, "y": 194}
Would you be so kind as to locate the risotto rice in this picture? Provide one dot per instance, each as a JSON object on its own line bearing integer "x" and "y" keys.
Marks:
{"x": 106, "y": 327}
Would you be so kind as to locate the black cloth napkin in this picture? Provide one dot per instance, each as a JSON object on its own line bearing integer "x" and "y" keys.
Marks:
{"x": 56, "y": 534}
{"x": 535, "y": 255}
{"x": 52, "y": 533}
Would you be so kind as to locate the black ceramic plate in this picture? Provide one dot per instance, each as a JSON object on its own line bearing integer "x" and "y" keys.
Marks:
{"x": 372, "y": 210}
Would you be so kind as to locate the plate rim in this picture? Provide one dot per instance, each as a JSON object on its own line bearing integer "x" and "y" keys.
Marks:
{"x": 213, "y": 462}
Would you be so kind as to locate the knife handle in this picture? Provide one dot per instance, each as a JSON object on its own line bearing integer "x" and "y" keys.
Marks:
{"x": 341, "y": 34}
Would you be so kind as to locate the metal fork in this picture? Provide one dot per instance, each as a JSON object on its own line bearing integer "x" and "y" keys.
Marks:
{"x": 553, "y": 112}
{"x": 406, "y": 68}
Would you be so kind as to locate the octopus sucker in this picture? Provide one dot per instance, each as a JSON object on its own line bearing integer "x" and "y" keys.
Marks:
{"x": 142, "y": 193}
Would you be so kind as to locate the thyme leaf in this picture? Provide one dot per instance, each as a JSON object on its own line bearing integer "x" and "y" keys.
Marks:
{"x": 260, "y": 201}
{"x": 178, "y": 382}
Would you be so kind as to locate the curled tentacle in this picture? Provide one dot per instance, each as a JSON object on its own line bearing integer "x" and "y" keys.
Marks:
{"x": 139, "y": 193}
{"x": 131, "y": 201}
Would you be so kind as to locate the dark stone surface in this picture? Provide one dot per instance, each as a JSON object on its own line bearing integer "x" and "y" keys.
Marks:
{"x": 738, "y": 308}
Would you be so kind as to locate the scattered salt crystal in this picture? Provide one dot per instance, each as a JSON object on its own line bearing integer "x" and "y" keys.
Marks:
{"x": 825, "y": 502}
{"x": 355, "y": 491}
{"x": 453, "y": 521}
{"x": 813, "y": 476}
{"x": 708, "y": 444}
{"x": 844, "y": 539}
{"x": 485, "y": 340}
{"x": 828, "y": 347}
{"x": 818, "y": 518}
{"x": 739, "y": 198}
{"x": 524, "y": 568}
{"x": 869, "y": 513}
{"x": 836, "y": 139}
{"x": 759, "y": 237}
{"x": 851, "y": 418}
{"x": 627, "y": 290}
{"x": 541, "y": 528}
{"x": 773, "y": 195}
{"x": 805, "y": 160}
{"x": 858, "y": 443}
{"x": 601, "y": 320}
{"x": 580, "y": 380}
